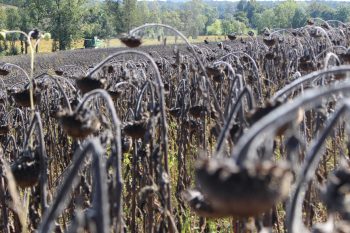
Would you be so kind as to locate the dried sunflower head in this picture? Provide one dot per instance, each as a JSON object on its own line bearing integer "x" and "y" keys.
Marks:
{"x": 131, "y": 41}
{"x": 79, "y": 124}
{"x": 243, "y": 190}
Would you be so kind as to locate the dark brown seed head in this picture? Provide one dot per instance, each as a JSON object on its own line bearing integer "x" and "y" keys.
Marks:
{"x": 175, "y": 112}
{"x": 136, "y": 129}
{"x": 131, "y": 41}
{"x": 310, "y": 22}
{"x": 232, "y": 36}
{"x": 199, "y": 204}
{"x": 35, "y": 34}
{"x": 345, "y": 57}
{"x": 243, "y": 191}
{"x": 214, "y": 70}
{"x": 269, "y": 41}
{"x": 59, "y": 72}
{"x": 26, "y": 170}
{"x": 79, "y": 125}
{"x": 337, "y": 193}
{"x": 198, "y": 111}
{"x": 4, "y": 129}
{"x": 4, "y": 71}
{"x": 88, "y": 84}
{"x": 115, "y": 94}
{"x": 22, "y": 98}
{"x": 270, "y": 55}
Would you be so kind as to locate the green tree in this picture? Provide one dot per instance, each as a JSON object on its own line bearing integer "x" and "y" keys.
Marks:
{"x": 129, "y": 14}
{"x": 342, "y": 13}
{"x": 252, "y": 8}
{"x": 2, "y": 16}
{"x": 37, "y": 13}
{"x": 96, "y": 22}
{"x": 215, "y": 28}
{"x": 265, "y": 19}
{"x": 242, "y": 4}
{"x": 241, "y": 17}
{"x": 211, "y": 14}
{"x": 193, "y": 16}
{"x": 300, "y": 17}
{"x": 66, "y": 21}
{"x": 114, "y": 11}
{"x": 154, "y": 15}
{"x": 173, "y": 19}
{"x": 12, "y": 20}
{"x": 143, "y": 14}
{"x": 232, "y": 25}
{"x": 319, "y": 10}
{"x": 284, "y": 13}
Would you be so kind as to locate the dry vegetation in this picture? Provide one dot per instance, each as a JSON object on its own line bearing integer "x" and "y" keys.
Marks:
{"x": 244, "y": 135}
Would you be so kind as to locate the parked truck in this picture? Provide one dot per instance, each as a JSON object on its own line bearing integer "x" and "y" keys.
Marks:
{"x": 93, "y": 43}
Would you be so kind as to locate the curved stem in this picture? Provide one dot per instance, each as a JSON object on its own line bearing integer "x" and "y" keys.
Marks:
{"x": 293, "y": 85}
{"x": 325, "y": 34}
{"x": 328, "y": 57}
{"x": 70, "y": 183}
{"x": 337, "y": 21}
{"x": 216, "y": 103}
{"x": 32, "y": 56}
{"x": 281, "y": 116}
{"x": 55, "y": 78}
{"x": 9, "y": 140}
{"x": 139, "y": 99}
{"x": 329, "y": 48}
{"x": 19, "y": 68}
{"x": 312, "y": 159}
{"x": 160, "y": 84}
{"x": 126, "y": 83}
{"x": 279, "y": 32}
{"x": 230, "y": 120}
{"x": 20, "y": 112}
{"x": 323, "y": 21}
{"x": 43, "y": 158}
{"x": 254, "y": 65}
{"x": 118, "y": 188}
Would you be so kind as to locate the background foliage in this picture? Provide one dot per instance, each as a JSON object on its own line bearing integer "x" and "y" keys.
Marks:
{"x": 69, "y": 20}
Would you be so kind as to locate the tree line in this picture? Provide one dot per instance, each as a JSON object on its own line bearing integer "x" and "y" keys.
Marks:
{"x": 69, "y": 20}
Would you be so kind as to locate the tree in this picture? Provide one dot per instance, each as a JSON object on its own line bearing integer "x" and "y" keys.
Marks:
{"x": 232, "y": 25}
{"x": 143, "y": 14}
{"x": 215, "y": 28}
{"x": 66, "y": 21}
{"x": 241, "y": 17}
{"x": 96, "y": 22}
{"x": 284, "y": 13}
{"x": 252, "y": 7}
{"x": 342, "y": 13}
{"x": 265, "y": 19}
{"x": 211, "y": 15}
{"x": 242, "y": 4}
{"x": 37, "y": 13}
{"x": 300, "y": 17}
{"x": 319, "y": 10}
{"x": 12, "y": 23}
{"x": 193, "y": 16}
{"x": 154, "y": 15}
{"x": 173, "y": 19}
{"x": 2, "y": 16}
{"x": 115, "y": 13}
{"x": 129, "y": 14}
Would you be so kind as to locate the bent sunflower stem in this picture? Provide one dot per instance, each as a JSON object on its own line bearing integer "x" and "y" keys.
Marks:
{"x": 312, "y": 159}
